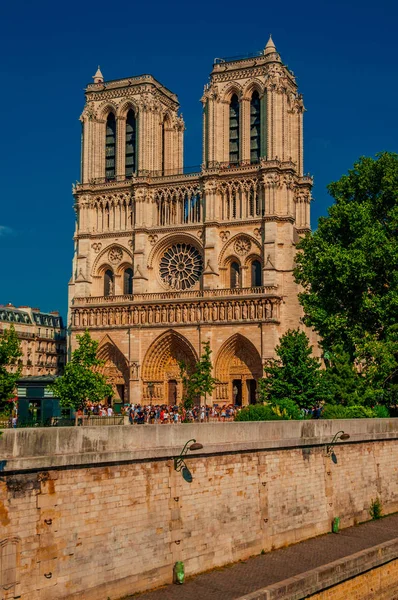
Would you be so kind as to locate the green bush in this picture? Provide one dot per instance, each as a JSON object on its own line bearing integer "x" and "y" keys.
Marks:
{"x": 359, "y": 412}
{"x": 336, "y": 411}
{"x": 284, "y": 409}
{"x": 258, "y": 412}
{"x": 381, "y": 412}
{"x": 287, "y": 408}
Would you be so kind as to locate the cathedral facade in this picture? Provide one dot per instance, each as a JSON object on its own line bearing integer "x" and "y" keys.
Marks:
{"x": 166, "y": 259}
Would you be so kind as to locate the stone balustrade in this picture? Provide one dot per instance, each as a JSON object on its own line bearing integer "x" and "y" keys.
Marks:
{"x": 153, "y": 297}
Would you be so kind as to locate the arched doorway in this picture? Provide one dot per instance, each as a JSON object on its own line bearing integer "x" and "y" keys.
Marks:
{"x": 161, "y": 378}
{"x": 237, "y": 369}
{"x": 115, "y": 369}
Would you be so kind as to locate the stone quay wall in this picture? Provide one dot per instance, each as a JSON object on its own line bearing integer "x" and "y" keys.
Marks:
{"x": 97, "y": 513}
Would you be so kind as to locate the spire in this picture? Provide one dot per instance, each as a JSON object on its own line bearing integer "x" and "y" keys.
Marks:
{"x": 98, "y": 77}
{"x": 270, "y": 47}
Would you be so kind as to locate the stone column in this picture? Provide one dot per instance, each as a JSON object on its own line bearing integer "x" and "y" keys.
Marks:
{"x": 120, "y": 146}
{"x": 245, "y": 130}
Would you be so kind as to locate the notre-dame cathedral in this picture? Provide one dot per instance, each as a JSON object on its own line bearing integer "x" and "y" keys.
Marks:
{"x": 167, "y": 259}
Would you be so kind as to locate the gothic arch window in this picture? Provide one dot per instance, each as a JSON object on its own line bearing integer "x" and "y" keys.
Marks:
{"x": 255, "y": 128}
{"x": 131, "y": 131}
{"x": 108, "y": 283}
{"x": 256, "y": 273}
{"x": 166, "y": 145}
{"x": 128, "y": 281}
{"x": 234, "y": 130}
{"x": 235, "y": 275}
{"x": 110, "y": 147}
{"x": 233, "y": 204}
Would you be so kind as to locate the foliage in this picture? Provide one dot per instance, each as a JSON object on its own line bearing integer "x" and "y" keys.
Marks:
{"x": 259, "y": 412}
{"x": 337, "y": 411}
{"x": 348, "y": 269}
{"x": 334, "y": 411}
{"x": 199, "y": 382}
{"x": 359, "y": 412}
{"x": 288, "y": 408}
{"x": 295, "y": 375}
{"x": 379, "y": 362}
{"x": 344, "y": 382}
{"x": 376, "y": 509}
{"x": 10, "y": 351}
{"x": 81, "y": 383}
{"x": 285, "y": 409}
{"x": 381, "y": 412}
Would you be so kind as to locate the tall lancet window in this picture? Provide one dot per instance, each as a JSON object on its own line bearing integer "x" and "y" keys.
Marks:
{"x": 128, "y": 281}
{"x": 110, "y": 147}
{"x": 255, "y": 128}
{"x": 109, "y": 289}
{"x": 234, "y": 130}
{"x": 130, "y": 143}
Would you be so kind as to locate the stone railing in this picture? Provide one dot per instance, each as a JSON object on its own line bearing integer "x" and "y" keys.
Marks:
{"x": 269, "y": 290}
{"x": 183, "y": 312}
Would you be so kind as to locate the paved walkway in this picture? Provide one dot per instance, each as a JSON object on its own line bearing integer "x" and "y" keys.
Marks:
{"x": 258, "y": 572}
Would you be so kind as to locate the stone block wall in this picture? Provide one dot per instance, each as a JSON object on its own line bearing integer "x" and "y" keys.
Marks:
{"x": 91, "y": 514}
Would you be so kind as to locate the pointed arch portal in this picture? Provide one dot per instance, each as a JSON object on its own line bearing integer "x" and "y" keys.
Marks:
{"x": 238, "y": 368}
{"x": 115, "y": 368}
{"x": 161, "y": 373}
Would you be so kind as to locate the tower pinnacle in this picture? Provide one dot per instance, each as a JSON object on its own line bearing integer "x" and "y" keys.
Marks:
{"x": 98, "y": 77}
{"x": 270, "y": 47}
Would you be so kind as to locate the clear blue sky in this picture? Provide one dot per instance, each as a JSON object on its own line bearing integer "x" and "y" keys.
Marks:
{"x": 344, "y": 55}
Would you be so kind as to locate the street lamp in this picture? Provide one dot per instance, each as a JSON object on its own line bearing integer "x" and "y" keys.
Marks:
{"x": 179, "y": 462}
{"x": 340, "y": 435}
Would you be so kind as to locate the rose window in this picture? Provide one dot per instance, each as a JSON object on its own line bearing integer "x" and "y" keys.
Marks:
{"x": 181, "y": 266}
{"x": 115, "y": 255}
{"x": 242, "y": 245}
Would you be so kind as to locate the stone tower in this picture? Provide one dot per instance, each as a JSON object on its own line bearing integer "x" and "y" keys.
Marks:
{"x": 165, "y": 259}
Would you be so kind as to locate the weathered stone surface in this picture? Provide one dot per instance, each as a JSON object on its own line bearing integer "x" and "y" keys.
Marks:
{"x": 117, "y": 524}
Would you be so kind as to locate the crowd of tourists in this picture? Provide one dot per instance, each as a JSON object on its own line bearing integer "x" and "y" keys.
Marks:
{"x": 160, "y": 414}
{"x": 163, "y": 414}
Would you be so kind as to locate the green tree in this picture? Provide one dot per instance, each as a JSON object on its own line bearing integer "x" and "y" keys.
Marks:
{"x": 198, "y": 382}
{"x": 296, "y": 374}
{"x": 348, "y": 269}
{"x": 348, "y": 266}
{"x": 379, "y": 362}
{"x": 81, "y": 383}
{"x": 10, "y": 351}
{"x": 344, "y": 381}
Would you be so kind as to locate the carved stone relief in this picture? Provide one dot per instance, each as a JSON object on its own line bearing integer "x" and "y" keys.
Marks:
{"x": 115, "y": 255}
{"x": 242, "y": 245}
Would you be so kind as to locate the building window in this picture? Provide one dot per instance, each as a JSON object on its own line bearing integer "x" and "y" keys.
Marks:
{"x": 110, "y": 147}
{"x": 130, "y": 143}
{"x": 255, "y": 128}
{"x": 108, "y": 283}
{"x": 234, "y": 130}
{"x": 128, "y": 281}
{"x": 256, "y": 273}
{"x": 235, "y": 275}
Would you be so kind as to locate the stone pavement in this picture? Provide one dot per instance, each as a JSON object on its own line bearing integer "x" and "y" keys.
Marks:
{"x": 248, "y": 576}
